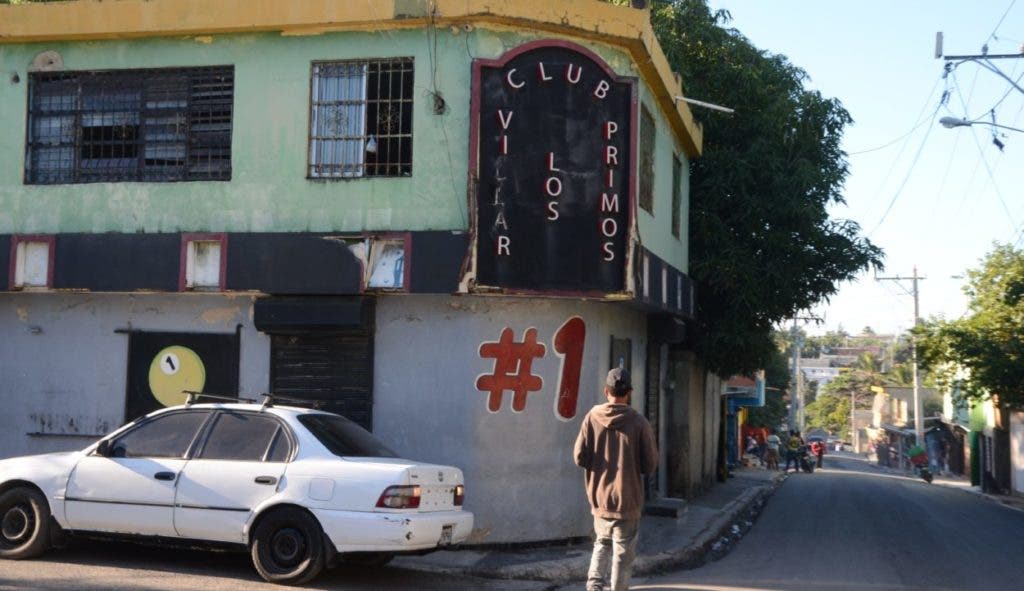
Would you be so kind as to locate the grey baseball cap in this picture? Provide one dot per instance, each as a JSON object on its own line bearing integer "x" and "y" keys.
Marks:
{"x": 618, "y": 380}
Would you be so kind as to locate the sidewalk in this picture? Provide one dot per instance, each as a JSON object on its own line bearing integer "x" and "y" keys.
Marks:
{"x": 710, "y": 525}
{"x": 963, "y": 483}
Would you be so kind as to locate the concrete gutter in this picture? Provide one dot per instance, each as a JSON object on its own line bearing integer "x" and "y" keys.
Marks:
{"x": 690, "y": 545}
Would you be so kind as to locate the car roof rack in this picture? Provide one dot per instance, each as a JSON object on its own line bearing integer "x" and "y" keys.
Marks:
{"x": 270, "y": 399}
{"x": 194, "y": 397}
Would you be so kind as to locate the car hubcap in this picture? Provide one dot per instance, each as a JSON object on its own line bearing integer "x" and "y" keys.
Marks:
{"x": 288, "y": 546}
{"x": 17, "y": 524}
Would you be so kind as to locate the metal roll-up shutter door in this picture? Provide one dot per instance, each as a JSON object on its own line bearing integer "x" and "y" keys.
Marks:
{"x": 334, "y": 368}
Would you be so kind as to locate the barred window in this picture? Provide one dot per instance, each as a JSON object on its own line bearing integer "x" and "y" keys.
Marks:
{"x": 169, "y": 124}
{"x": 360, "y": 122}
{"x": 646, "y": 197}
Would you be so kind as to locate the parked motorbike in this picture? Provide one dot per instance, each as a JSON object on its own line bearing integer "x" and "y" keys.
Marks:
{"x": 919, "y": 461}
{"x": 806, "y": 460}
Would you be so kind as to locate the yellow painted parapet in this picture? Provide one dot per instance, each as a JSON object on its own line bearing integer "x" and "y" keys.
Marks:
{"x": 627, "y": 28}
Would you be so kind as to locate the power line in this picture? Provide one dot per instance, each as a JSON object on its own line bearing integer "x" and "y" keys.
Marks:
{"x": 1000, "y": 23}
{"x": 945, "y": 176}
{"x": 991, "y": 177}
{"x": 1009, "y": 90}
{"x": 892, "y": 166}
{"x": 910, "y": 170}
{"x": 920, "y": 121}
{"x": 966, "y": 192}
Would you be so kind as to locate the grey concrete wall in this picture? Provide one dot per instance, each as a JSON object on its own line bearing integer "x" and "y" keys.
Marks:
{"x": 713, "y": 389}
{"x": 62, "y": 363}
{"x": 521, "y": 482}
{"x": 697, "y": 412}
{"x": 680, "y": 457}
{"x": 63, "y": 368}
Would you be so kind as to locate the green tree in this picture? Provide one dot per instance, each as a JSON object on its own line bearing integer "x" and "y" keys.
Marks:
{"x": 828, "y": 342}
{"x": 983, "y": 351}
{"x": 831, "y": 412}
{"x": 762, "y": 245}
{"x": 855, "y": 381}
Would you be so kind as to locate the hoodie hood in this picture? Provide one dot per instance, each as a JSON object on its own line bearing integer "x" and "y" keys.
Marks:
{"x": 612, "y": 416}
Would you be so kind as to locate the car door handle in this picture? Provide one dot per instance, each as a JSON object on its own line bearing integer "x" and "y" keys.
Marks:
{"x": 266, "y": 480}
{"x": 164, "y": 475}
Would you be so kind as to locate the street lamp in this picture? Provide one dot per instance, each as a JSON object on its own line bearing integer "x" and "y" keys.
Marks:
{"x": 951, "y": 122}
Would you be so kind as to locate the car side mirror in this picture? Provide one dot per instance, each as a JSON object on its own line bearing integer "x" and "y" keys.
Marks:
{"x": 103, "y": 449}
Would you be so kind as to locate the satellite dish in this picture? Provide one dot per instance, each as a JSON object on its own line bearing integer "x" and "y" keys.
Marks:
{"x": 47, "y": 61}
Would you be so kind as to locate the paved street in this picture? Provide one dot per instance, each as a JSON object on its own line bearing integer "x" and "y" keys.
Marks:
{"x": 95, "y": 566}
{"x": 848, "y": 527}
{"x": 851, "y": 527}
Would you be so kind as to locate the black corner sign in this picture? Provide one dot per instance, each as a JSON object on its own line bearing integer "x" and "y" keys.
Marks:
{"x": 554, "y": 159}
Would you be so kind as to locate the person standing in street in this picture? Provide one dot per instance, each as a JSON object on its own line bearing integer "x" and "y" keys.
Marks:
{"x": 793, "y": 445}
{"x": 615, "y": 448}
{"x": 774, "y": 443}
{"x": 818, "y": 449}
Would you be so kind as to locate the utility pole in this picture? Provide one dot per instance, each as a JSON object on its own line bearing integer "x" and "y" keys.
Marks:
{"x": 796, "y": 397}
{"x": 918, "y": 410}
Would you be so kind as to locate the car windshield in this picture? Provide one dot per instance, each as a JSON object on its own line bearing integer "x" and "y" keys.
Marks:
{"x": 344, "y": 438}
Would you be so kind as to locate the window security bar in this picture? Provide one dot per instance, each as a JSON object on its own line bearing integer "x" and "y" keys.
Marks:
{"x": 168, "y": 124}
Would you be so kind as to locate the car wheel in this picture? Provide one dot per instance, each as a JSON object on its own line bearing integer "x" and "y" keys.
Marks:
{"x": 288, "y": 547}
{"x": 24, "y": 523}
{"x": 372, "y": 559}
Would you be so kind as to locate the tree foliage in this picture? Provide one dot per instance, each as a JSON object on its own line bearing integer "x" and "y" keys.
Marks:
{"x": 831, "y": 409}
{"x": 856, "y": 383}
{"x": 831, "y": 412}
{"x": 825, "y": 344}
{"x": 984, "y": 350}
{"x": 761, "y": 243}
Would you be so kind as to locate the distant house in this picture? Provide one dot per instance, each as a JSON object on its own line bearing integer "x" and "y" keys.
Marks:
{"x": 820, "y": 370}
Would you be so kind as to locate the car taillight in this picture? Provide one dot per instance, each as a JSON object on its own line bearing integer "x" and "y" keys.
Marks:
{"x": 460, "y": 495}
{"x": 400, "y": 497}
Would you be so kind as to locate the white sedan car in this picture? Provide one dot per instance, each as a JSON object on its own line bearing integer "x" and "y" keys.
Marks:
{"x": 294, "y": 486}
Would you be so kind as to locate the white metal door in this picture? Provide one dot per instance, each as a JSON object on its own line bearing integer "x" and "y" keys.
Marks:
{"x": 216, "y": 497}
{"x": 124, "y": 495}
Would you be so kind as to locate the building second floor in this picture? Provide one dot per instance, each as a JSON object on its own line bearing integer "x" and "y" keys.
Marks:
{"x": 333, "y": 118}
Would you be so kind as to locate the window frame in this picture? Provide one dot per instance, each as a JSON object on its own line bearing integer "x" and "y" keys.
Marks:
{"x": 189, "y": 449}
{"x": 197, "y": 102}
{"x": 282, "y": 428}
{"x": 315, "y": 165}
{"x": 328, "y": 446}
{"x": 677, "y": 195}
{"x": 646, "y": 160}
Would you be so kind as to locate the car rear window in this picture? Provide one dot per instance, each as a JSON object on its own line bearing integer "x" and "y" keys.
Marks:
{"x": 344, "y": 438}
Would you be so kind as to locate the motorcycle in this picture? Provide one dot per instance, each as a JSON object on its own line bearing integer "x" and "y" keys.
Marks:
{"x": 806, "y": 461}
{"x": 919, "y": 461}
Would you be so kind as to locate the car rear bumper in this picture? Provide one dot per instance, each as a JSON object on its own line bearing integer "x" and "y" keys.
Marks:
{"x": 357, "y": 531}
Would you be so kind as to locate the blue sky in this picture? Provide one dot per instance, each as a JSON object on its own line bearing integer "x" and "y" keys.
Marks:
{"x": 932, "y": 197}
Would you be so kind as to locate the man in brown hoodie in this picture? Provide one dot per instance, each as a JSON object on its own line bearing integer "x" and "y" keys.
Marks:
{"x": 615, "y": 447}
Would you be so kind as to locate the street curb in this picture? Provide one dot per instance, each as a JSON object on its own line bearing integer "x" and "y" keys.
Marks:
{"x": 748, "y": 504}
{"x": 566, "y": 570}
